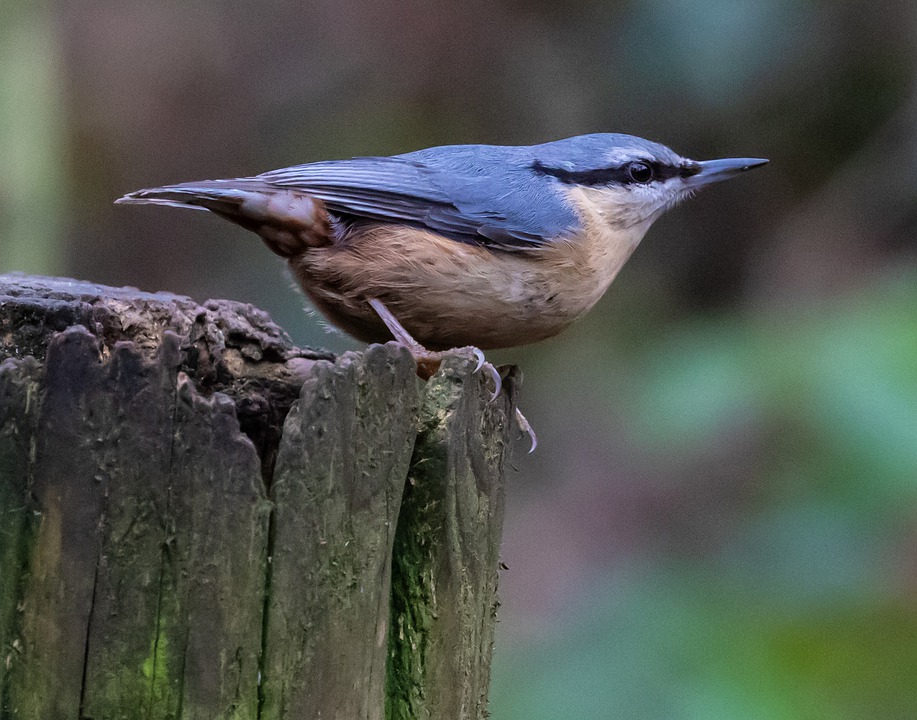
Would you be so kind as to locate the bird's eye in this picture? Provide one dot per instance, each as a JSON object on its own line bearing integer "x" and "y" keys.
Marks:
{"x": 640, "y": 172}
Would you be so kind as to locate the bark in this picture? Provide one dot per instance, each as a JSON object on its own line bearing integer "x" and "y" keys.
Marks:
{"x": 199, "y": 520}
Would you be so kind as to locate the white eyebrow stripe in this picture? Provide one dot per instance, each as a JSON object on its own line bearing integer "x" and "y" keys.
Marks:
{"x": 620, "y": 155}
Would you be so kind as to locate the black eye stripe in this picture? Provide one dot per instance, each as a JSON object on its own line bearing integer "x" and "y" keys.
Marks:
{"x": 619, "y": 174}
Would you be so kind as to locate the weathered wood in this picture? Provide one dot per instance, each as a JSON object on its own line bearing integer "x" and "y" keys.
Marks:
{"x": 446, "y": 554}
{"x": 175, "y": 628}
{"x": 66, "y": 483}
{"x": 126, "y": 598}
{"x": 18, "y": 412}
{"x": 197, "y": 519}
{"x": 208, "y": 640}
{"x": 345, "y": 455}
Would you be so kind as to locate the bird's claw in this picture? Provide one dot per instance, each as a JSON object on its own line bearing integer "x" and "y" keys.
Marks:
{"x": 527, "y": 429}
{"x": 490, "y": 370}
{"x": 495, "y": 376}
{"x": 479, "y": 356}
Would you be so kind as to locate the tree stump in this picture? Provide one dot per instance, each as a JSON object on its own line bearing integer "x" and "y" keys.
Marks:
{"x": 200, "y": 520}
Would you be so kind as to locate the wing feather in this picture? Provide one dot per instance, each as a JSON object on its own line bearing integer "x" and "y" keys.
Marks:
{"x": 460, "y": 201}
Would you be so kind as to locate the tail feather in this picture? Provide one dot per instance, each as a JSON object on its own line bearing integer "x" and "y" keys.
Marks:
{"x": 223, "y": 195}
{"x": 288, "y": 221}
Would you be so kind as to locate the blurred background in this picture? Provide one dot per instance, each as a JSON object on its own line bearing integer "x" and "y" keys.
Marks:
{"x": 721, "y": 518}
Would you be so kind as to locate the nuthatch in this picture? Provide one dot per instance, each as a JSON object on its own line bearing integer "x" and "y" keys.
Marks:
{"x": 482, "y": 245}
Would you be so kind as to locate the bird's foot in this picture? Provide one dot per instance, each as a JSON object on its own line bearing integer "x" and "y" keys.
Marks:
{"x": 428, "y": 362}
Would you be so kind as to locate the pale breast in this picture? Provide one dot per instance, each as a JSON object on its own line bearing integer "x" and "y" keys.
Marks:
{"x": 452, "y": 294}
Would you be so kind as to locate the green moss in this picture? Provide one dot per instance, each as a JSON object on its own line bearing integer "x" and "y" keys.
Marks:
{"x": 413, "y": 601}
{"x": 155, "y": 669}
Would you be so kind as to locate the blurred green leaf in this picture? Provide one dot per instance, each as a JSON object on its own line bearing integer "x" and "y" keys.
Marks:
{"x": 32, "y": 155}
{"x": 838, "y": 385}
{"x": 799, "y": 610}
{"x": 669, "y": 645}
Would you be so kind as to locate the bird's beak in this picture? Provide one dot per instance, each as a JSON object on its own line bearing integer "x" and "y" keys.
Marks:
{"x": 714, "y": 171}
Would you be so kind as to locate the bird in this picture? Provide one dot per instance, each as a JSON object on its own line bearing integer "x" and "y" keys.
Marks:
{"x": 487, "y": 246}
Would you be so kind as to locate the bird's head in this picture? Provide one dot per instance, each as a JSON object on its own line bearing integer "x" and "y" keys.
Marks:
{"x": 627, "y": 180}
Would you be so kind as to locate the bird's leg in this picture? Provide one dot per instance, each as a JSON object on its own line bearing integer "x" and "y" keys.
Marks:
{"x": 428, "y": 361}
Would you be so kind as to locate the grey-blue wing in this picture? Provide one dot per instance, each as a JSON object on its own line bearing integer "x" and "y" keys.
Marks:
{"x": 474, "y": 194}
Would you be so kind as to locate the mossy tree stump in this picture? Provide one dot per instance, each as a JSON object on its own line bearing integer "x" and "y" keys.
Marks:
{"x": 199, "y": 520}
